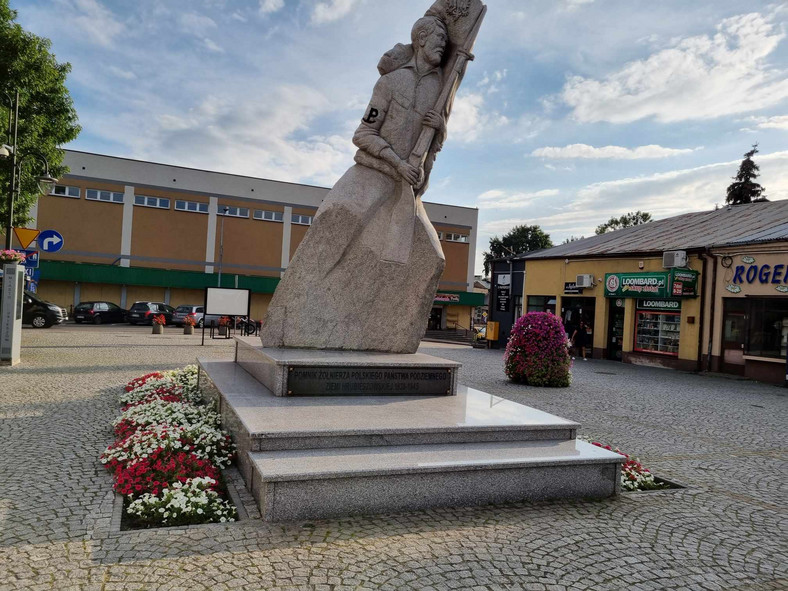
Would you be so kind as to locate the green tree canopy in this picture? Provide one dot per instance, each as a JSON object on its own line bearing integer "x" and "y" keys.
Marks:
{"x": 47, "y": 118}
{"x": 633, "y": 218}
{"x": 518, "y": 240}
{"x": 744, "y": 189}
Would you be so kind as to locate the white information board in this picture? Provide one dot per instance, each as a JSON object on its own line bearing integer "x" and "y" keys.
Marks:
{"x": 226, "y": 302}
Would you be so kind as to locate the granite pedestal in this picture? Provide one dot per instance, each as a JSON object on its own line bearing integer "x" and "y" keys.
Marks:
{"x": 308, "y": 457}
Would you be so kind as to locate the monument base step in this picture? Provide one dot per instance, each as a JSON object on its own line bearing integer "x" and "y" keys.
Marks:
{"x": 315, "y": 484}
{"x": 309, "y": 372}
{"x": 310, "y": 457}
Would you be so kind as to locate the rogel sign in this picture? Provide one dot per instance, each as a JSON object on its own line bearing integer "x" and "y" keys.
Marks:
{"x": 636, "y": 285}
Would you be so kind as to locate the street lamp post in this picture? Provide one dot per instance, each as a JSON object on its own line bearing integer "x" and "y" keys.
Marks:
{"x": 16, "y": 161}
{"x": 221, "y": 245}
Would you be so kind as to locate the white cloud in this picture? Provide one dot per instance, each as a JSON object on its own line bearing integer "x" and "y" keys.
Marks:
{"x": 93, "y": 20}
{"x": 612, "y": 152}
{"x": 257, "y": 136}
{"x": 470, "y": 119}
{"x": 497, "y": 199}
{"x": 700, "y": 77}
{"x": 212, "y": 46}
{"x": 269, "y": 6}
{"x": 121, "y": 73}
{"x": 196, "y": 24}
{"x": 776, "y": 122}
{"x": 331, "y": 10}
{"x": 489, "y": 83}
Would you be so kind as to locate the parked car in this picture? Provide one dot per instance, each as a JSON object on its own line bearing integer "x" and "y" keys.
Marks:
{"x": 196, "y": 312}
{"x": 143, "y": 312}
{"x": 40, "y": 313}
{"x": 98, "y": 312}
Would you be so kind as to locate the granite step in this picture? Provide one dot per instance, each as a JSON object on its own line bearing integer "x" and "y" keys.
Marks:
{"x": 261, "y": 421}
{"x": 326, "y": 483}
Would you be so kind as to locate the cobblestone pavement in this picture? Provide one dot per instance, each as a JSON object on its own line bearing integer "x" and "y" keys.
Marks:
{"x": 721, "y": 437}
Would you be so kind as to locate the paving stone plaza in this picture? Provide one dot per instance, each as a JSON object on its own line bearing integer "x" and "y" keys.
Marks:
{"x": 721, "y": 437}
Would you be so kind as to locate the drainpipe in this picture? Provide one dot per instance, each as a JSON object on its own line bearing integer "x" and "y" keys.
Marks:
{"x": 704, "y": 257}
{"x": 713, "y": 259}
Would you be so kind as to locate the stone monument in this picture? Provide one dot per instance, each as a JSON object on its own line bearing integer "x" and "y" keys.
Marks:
{"x": 336, "y": 413}
{"x": 365, "y": 276}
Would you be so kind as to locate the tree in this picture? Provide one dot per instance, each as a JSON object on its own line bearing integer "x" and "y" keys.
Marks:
{"x": 633, "y": 218}
{"x": 47, "y": 117}
{"x": 744, "y": 189}
{"x": 572, "y": 239}
{"x": 518, "y": 239}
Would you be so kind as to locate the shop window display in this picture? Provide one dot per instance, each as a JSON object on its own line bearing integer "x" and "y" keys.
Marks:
{"x": 658, "y": 332}
{"x": 768, "y": 327}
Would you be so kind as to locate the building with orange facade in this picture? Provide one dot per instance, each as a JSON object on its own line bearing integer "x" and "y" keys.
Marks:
{"x": 138, "y": 230}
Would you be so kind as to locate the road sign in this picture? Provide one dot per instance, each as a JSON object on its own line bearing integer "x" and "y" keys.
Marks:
{"x": 31, "y": 258}
{"x": 25, "y": 236}
{"x": 50, "y": 241}
{"x": 33, "y": 274}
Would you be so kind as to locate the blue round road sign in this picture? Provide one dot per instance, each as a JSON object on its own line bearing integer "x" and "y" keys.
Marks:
{"x": 50, "y": 241}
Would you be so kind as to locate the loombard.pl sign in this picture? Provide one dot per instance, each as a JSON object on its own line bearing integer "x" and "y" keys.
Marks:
{"x": 637, "y": 285}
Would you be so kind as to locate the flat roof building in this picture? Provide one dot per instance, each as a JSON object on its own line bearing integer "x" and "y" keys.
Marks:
{"x": 137, "y": 230}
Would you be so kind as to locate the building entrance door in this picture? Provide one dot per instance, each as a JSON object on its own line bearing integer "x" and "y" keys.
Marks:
{"x": 615, "y": 330}
{"x": 575, "y": 309}
{"x": 436, "y": 316}
{"x": 733, "y": 334}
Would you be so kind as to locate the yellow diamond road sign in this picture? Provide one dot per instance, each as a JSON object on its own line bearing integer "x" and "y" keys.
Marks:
{"x": 25, "y": 236}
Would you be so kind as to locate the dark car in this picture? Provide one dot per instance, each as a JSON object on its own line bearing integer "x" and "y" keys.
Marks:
{"x": 98, "y": 312}
{"x": 40, "y": 313}
{"x": 143, "y": 312}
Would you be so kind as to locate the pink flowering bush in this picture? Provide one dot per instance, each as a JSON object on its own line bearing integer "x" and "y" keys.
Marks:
{"x": 538, "y": 351}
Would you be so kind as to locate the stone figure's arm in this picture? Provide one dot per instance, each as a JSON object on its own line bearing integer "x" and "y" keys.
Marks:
{"x": 368, "y": 138}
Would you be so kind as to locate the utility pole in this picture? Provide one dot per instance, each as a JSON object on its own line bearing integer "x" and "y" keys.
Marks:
{"x": 13, "y": 129}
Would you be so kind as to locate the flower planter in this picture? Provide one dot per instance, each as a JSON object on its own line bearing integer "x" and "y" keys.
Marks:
{"x": 222, "y": 331}
{"x": 158, "y": 329}
{"x": 188, "y": 329}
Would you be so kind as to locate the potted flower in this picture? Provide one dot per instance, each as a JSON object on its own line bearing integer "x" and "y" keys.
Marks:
{"x": 158, "y": 324}
{"x": 224, "y": 322}
{"x": 188, "y": 325}
{"x": 11, "y": 257}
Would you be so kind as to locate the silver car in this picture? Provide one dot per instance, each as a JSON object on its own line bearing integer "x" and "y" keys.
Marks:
{"x": 196, "y": 312}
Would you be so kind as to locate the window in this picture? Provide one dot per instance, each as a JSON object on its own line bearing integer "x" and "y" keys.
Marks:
{"x": 159, "y": 202}
{"x": 450, "y": 237}
{"x": 268, "y": 216}
{"x": 303, "y": 220}
{"x": 195, "y": 206}
{"x": 65, "y": 191}
{"x": 109, "y": 196}
{"x": 234, "y": 212}
{"x": 657, "y": 332}
{"x": 541, "y": 304}
{"x": 440, "y": 235}
{"x": 767, "y": 333}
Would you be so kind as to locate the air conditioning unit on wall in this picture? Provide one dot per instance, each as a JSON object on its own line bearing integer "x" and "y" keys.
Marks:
{"x": 674, "y": 258}
{"x": 585, "y": 280}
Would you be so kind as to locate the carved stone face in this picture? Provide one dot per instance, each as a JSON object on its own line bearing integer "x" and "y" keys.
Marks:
{"x": 433, "y": 45}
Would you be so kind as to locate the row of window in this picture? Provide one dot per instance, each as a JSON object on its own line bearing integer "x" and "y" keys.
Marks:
{"x": 180, "y": 205}
{"x": 452, "y": 237}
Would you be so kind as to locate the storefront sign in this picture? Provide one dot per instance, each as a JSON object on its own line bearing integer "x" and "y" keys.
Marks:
{"x": 660, "y": 305}
{"x": 570, "y": 288}
{"x": 502, "y": 301}
{"x": 763, "y": 274}
{"x": 636, "y": 285}
{"x": 684, "y": 283}
{"x": 452, "y": 298}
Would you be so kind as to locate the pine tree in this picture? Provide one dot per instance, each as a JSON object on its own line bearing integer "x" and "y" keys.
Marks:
{"x": 744, "y": 189}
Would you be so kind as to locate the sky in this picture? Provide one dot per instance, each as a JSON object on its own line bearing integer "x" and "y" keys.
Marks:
{"x": 572, "y": 112}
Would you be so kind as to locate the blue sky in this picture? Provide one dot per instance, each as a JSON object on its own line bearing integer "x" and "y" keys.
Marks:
{"x": 573, "y": 111}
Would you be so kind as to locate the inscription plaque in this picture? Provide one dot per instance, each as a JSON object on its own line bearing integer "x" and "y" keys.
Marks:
{"x": 368, "y": 381}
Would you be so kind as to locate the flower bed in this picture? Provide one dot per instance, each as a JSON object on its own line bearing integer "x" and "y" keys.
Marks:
{"x": 168, "y": 453}
{"x": 634, "y": 476}
{"x": 537, "y": 352}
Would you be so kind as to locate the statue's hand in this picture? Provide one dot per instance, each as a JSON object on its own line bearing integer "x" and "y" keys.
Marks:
{"x": 434, "y": 119}
{"x": 409, "y": 172}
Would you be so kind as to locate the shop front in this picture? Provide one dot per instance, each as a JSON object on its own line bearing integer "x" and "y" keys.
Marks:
{"x": 750, "y": 327}
{"x": 656, "y": 302}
